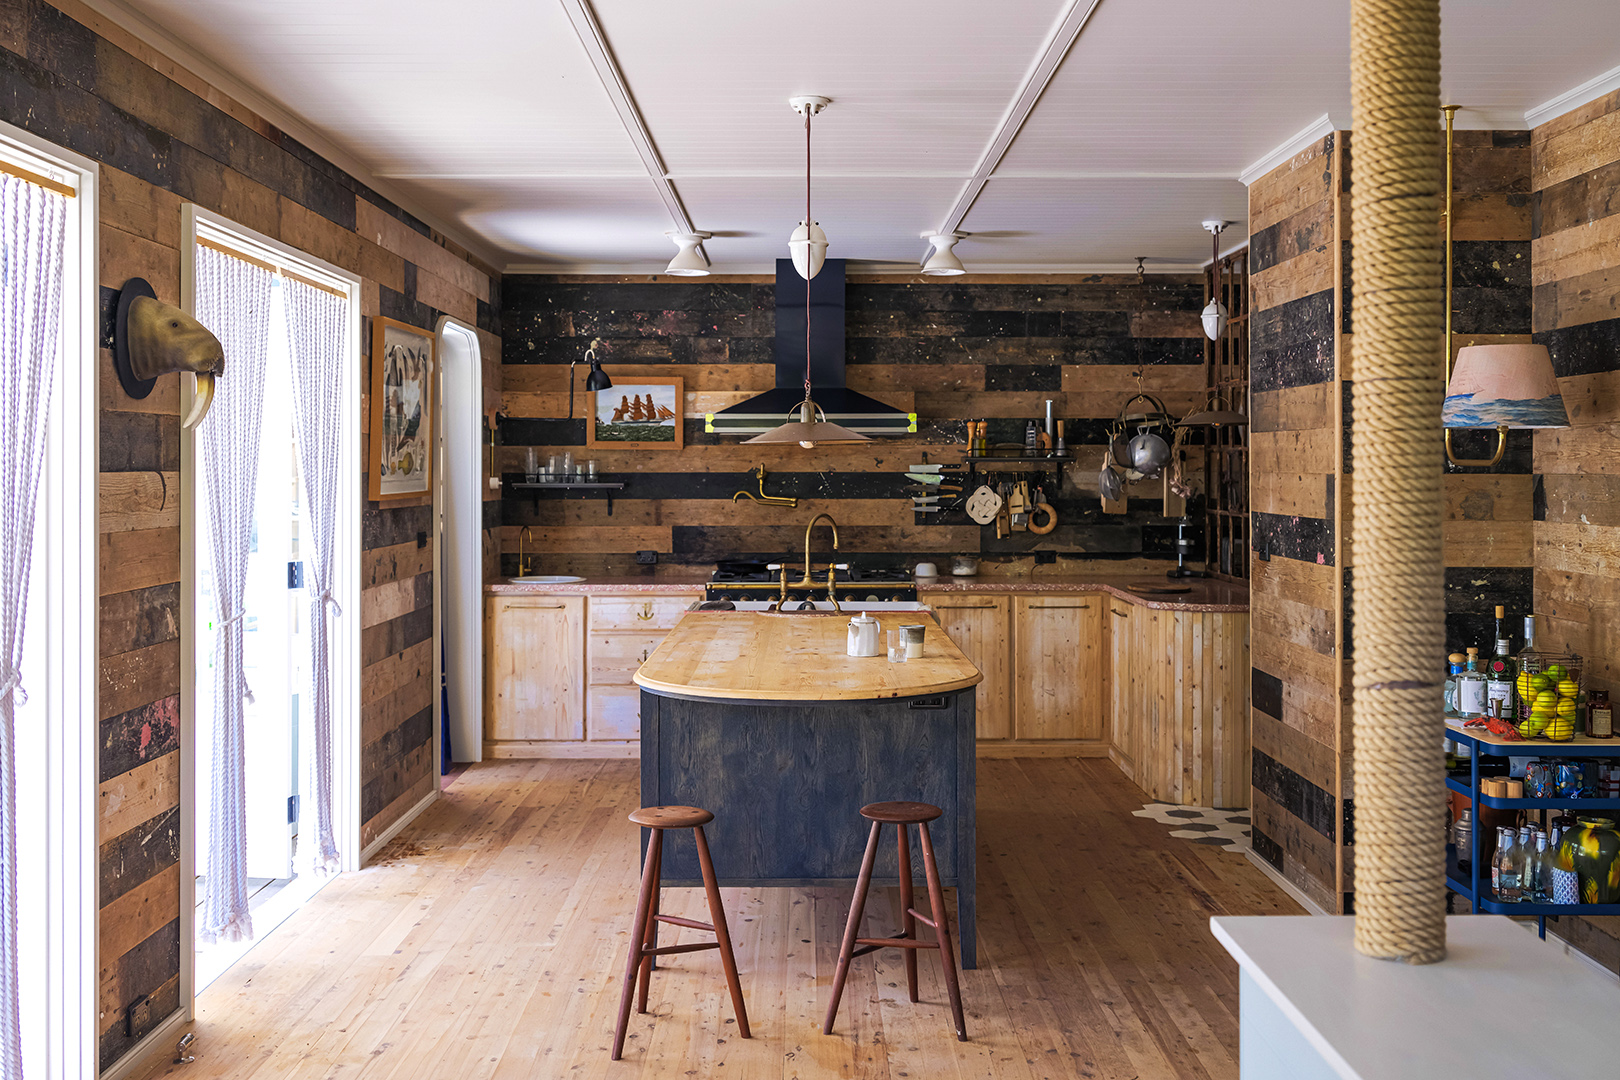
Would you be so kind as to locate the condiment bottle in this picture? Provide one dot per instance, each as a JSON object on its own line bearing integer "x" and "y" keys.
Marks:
{"x": 1599, "y": 716}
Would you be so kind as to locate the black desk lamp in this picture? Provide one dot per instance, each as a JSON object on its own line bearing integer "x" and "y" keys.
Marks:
{"x": 595, "y": 379}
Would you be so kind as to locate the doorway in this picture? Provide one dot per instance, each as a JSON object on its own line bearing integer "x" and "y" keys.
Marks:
{"x": 458, "y": 500}
{"x": 277, "y": 616}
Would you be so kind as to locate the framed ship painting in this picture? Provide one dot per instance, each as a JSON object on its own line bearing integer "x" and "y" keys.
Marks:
{"x": 637, "y": 414}
{"x": 401, "y": 460}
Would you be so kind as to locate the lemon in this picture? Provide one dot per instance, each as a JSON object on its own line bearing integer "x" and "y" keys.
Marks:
{"x": 1540, "y": 682}
{"x": 1561, "y": 729}
{"x": 1535, "y": 725}
{"x": 1556, "y": 671}
{"x": 1547, "y": 699}
{"x": 1567, "y": 688}
{"x": 1566, "y": 707}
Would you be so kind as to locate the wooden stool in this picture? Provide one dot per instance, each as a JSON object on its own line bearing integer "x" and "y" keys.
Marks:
{"x": 901, "y": 814}
{"x": 644, "y": 932}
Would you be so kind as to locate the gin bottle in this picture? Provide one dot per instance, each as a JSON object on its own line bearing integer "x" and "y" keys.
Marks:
{"x": 1455, "y": 663}
{"x": 1471, "y": 688}
{"x": 1499, "y": 672}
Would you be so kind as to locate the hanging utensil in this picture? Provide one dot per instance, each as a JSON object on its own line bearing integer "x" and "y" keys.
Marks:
{"x": 983, "y": 505}
{"x": 1110, "y": 484}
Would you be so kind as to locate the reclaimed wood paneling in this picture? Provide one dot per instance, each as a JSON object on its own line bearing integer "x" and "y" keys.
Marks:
{"x": 163, "y": 137}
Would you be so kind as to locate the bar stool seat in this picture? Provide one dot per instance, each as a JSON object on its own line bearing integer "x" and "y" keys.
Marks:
{"x": 644, "y": 932}
{"x": 903, "y": 815}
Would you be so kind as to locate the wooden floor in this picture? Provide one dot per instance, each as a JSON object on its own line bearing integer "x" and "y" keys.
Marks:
{"x": 488, "y": 940}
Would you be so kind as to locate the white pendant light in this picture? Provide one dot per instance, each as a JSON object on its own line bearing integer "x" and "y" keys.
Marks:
{"x": 942, "y": 261}
{"x": 1215, "y": 314}
{"x": 688, "y": 262}
{"x": 808, "y": 244}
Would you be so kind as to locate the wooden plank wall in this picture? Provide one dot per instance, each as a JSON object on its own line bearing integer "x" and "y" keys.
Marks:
{"x": 1575, "y": 266}
{"x": 164, "y": 137}
{"x": 976, "y": 348}
{"x": 1295, "y": 439}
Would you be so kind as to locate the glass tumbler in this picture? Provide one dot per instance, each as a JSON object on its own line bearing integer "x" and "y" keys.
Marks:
{"x": 897, "y": 647}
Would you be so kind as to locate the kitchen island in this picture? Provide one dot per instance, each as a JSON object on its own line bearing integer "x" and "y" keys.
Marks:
{"x": 763, "y": 719}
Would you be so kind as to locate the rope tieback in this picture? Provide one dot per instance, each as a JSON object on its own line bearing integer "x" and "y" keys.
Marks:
{"x": 1397, "y": 442}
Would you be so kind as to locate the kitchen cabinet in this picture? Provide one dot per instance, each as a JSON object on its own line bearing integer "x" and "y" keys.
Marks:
{"x": 623, "y": 632}
{"x": 534, "y": 679}
{"x": 1061, "y": 684}
{"x": 980, "y": 627}
{"x": 1121, "y": 673}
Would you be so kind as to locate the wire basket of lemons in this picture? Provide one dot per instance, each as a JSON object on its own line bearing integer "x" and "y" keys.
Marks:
{"x": 1554, "y": 697}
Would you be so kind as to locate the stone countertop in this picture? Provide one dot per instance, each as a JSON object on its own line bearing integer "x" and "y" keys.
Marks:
{"x": 1205, "y": 595}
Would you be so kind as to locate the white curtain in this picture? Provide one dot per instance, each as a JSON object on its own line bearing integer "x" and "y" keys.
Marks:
{"x": 33, "y": 225}
{"x": 233, "y": 300}
{"x": 316, "y": 322}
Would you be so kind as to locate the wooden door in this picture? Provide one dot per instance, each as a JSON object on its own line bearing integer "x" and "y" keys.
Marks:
{"x": 534, "y": 686}
{"x": 1122, "y": 727}
{"x": 1059, "y": 668}
{"x": 978, "y": 624}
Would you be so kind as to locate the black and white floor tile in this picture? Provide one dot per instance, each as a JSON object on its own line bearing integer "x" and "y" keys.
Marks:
{"x": 1202, "y": 824}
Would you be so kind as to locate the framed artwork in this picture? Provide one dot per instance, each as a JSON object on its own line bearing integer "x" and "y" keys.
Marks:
{"x": 400, "y": 463}
{"x": 637, "y": 414}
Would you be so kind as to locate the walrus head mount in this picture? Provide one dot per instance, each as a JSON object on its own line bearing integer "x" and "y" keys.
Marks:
{"x": 152, "y": 338}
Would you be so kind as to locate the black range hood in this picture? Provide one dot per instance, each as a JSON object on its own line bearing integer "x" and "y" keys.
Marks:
{"x": 842, "y": 405}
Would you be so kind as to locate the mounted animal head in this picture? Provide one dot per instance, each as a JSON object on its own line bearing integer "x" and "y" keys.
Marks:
{"x": 152, "y": 338}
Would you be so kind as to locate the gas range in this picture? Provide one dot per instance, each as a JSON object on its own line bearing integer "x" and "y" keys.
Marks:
{"x": 740, "y": 580}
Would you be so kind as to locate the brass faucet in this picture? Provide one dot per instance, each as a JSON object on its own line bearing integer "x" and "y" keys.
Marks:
{"x": 807, "y": 583}
{"x": 523, "y": 565}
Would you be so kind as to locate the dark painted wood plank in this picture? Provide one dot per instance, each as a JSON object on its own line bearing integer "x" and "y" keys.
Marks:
{"x": 134, "y": 738}
{"x": 132, "y": 859}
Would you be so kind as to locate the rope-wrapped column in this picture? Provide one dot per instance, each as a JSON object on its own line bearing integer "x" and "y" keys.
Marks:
{"x": 1395, "y": 537}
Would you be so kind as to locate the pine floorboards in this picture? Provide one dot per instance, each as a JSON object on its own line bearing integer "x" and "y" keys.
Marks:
{"x": 487, "y": 941}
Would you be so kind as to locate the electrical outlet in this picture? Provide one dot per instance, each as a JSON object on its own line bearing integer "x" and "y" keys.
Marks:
{"x": 138, "y": 1017}
{"x": 1042, "y": 557}
{"x": 646, "y": 558}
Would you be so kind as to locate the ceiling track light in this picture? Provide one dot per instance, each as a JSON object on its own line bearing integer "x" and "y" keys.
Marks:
{"x": 942, "y": 261}
{"x": 690, "y": 260}
{"x": 1215, "y": 314}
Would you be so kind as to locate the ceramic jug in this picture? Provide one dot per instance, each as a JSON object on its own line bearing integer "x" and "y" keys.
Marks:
{"x": 863, "y": 636}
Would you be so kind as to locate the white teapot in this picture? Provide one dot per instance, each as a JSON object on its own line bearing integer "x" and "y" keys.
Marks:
{"x": 863, "y": 636}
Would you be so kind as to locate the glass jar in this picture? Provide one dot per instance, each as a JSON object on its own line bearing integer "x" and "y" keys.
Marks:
{"x": 1592, "y": 850}
{"x": 1599, "y": 716}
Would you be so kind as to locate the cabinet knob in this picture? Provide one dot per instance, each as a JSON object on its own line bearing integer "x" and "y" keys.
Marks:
{"x": 646, "y": 612}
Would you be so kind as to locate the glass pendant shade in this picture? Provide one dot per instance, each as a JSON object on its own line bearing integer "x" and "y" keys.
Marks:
{"x": 807, "y": 431}
{"x": 943, "y": 261}
{"x": 808, "y": 245}
{"x": 1511, "y": 386}
{"x": 1214, "y": 318}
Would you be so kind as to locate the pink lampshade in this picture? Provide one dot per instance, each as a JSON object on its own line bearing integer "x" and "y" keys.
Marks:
{"x": 1503, "y": 386}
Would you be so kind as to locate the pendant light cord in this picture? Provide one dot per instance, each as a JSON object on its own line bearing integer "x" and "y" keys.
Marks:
{"x": 808, "y": 225}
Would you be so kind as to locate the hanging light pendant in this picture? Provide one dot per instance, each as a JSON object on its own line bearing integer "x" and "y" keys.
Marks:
{"x": 688, "y": 261}
{"x": 1215, "y": 314}
{"x": 942, "y": 261}
{"x": 809, "y": 248}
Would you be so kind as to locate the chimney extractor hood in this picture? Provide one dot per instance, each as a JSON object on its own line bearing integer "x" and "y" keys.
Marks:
{"x": 843, "y": 406}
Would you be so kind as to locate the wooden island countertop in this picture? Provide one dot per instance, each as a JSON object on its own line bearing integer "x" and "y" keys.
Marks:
{"x": 762, "y": 656}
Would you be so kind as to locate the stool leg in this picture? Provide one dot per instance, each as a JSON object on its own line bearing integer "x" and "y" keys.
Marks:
{"x": 638, "y": 932}
{"x": 942, "y": 920}
{"x": 857, "y": 905}
{"x": 650, "y": 938}
{"x": 717, "y": 915}
{"x": 908, "y": 921}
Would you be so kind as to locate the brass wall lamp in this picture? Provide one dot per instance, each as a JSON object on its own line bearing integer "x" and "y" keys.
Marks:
{"x": 151, "y": 338}
{"x": 1494, "y": 386}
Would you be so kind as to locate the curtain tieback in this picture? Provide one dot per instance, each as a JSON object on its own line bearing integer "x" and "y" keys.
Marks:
{"x": 327, "y": 598}
{"x": 11, "y": 685}
{"x": 219, "y": 641}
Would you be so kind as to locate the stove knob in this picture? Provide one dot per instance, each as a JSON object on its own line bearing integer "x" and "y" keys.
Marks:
{"x": 871, "y": 598}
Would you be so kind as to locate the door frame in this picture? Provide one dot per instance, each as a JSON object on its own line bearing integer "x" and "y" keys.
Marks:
{"x": 458, "y": 516}
{"x": 345, "y": 629}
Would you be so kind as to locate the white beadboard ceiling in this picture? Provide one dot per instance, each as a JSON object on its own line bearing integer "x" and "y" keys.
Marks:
{"x": 490, "y": 116}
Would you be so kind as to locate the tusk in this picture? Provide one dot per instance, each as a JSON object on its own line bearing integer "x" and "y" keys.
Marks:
{"x": 201, "y": 399}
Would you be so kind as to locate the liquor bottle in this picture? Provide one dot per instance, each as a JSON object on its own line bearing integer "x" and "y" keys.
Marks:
{"x": 1599, "y": 715}
{"x": 1499, "y": 671}
{"x": 1542, "y": 894}
{"x": 1454, "y": 667}
{"x": 1505, "y": 873}
{"x": 1471, "y": 688}
{"x": 1530, "y": 662}
{"x": 1524, "y": 850}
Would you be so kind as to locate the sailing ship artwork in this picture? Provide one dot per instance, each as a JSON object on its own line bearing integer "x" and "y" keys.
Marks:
{"x": 642, "y": 414}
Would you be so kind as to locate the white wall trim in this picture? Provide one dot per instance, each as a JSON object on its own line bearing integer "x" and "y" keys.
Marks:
{"x": 1315, "y": 131}
{"x": 458, "y": 546}
{"x": 1569, "y": 100}
{"x": 1284, "y": 884}
{"x": 157, "y": 37}
{"x": 405, "y": 819}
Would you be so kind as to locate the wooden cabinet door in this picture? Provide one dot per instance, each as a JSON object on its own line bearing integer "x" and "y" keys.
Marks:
{"x": 613, "y": 700}
{"x": 535, "y": 681}
{"x": 978, "y": 626}
{"x": 1058, "y": 665}
{"x": 1121, "y": 703}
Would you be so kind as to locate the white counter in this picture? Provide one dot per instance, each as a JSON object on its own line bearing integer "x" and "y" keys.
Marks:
{"x": 1504, "y": 1004}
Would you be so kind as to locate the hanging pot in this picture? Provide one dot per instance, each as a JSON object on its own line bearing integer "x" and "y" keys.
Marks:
{"x": 1119, "y": 450}
{"x": 1149, "y": 452}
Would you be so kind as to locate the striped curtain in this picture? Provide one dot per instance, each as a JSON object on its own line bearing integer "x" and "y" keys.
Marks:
{"x": 315, "y": 327}
{"x": 33, "y": 231}
{"x": 233, "y": 300}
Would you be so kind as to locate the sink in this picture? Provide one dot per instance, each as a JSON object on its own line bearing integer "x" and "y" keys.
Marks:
{"x": 545, "y": 579}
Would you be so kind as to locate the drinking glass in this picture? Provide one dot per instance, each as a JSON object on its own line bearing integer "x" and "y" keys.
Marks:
{"x": 897, "y": 647}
